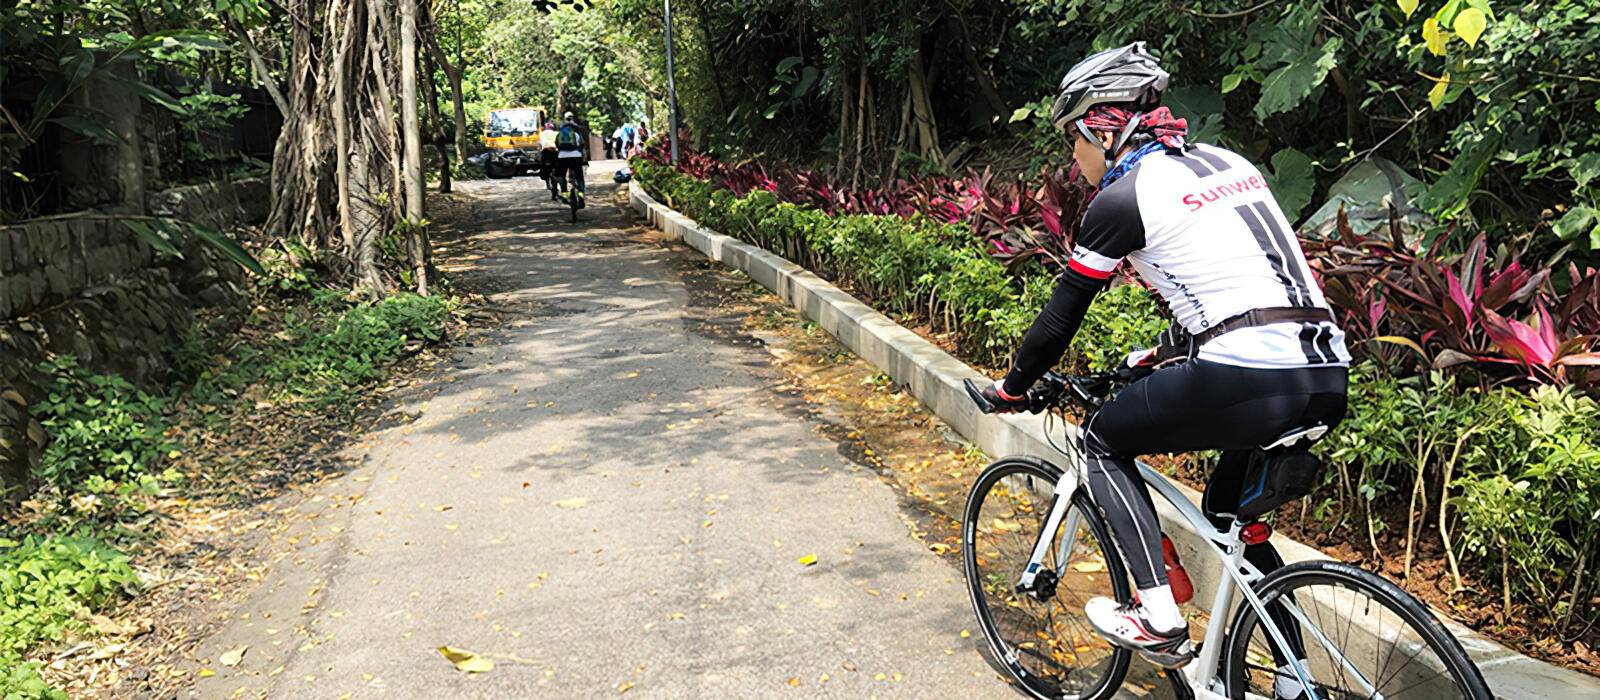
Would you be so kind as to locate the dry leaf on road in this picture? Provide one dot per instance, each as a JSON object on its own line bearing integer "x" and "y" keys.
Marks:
{"x": 571, "y": 503}
{"x": 808, "y": 559}
{"x": 466, "y": 661}
{"x": 233, "y": 657}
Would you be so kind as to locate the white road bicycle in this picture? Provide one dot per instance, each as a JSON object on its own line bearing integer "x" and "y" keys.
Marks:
{"x": 1036, "y": 548}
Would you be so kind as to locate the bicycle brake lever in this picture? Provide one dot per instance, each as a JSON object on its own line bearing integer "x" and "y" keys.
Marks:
{"x": 976, "y": 394}
{"x": 1085, "y": 396}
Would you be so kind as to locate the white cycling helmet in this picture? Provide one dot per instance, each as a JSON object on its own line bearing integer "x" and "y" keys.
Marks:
{"x": 1123, "y": 75}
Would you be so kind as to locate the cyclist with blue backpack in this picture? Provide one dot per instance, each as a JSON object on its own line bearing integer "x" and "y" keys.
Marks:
{"x": 570, "y": 157}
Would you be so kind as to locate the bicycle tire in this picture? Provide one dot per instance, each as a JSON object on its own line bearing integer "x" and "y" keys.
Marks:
{"x": 574, "y": 191}
{"x": 1466, "y": 679}
{"x": 1044, "y": 474}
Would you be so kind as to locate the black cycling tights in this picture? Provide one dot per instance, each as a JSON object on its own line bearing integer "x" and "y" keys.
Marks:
{"x": 1200, "y": 405}
{"x": 1197, "y": 405}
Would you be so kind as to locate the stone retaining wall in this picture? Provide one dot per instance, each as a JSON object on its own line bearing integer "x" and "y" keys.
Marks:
{"x": 93, "y": 288}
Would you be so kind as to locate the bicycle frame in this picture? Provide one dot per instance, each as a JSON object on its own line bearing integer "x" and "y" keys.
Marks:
{"x": 1202, "y": 674}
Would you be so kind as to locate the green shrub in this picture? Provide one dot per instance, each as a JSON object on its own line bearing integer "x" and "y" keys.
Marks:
{"x": 324, "y": 355}
{"x": 1531, "y": 501}
{"x": 101, "y": 428}
{"x": 22, "y": 682}
{"x": 1122, "y": 318}
{"x": 48, "y": 585}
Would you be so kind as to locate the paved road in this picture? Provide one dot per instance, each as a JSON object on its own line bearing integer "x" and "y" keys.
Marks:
{"x": 602, "y": 495}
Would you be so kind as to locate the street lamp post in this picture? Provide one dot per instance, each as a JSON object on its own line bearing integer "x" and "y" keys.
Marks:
{"x": 672, "y": 90}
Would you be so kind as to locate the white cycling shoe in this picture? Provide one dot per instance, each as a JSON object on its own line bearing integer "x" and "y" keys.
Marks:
{"x": 1128, "y": 626}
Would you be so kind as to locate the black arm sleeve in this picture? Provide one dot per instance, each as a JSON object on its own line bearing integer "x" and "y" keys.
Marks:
{"x": 1052, "y": 331}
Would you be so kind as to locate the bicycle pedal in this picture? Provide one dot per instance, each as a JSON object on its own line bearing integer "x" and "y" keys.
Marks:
{"x": 1171, "y": 661}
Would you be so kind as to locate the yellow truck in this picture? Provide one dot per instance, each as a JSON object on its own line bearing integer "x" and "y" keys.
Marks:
{"x": 512, "y": 137}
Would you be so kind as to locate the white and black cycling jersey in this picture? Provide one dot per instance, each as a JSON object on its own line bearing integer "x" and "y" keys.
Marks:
{"x": 1201, "y": 227}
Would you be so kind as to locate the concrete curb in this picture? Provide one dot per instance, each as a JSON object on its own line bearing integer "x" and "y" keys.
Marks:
{"x": 935, "y": 378}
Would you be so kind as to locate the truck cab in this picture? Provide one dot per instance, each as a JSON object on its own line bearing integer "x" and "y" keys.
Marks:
{"x": 512, "y": 137}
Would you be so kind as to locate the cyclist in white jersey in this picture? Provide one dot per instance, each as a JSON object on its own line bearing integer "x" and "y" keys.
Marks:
{"x": 1255, "y": 351}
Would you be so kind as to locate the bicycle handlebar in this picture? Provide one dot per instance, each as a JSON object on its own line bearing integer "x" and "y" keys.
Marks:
{"x": 1054, "y": 390}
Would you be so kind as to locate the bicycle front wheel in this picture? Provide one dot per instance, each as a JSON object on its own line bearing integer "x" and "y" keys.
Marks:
{"x": 1363, "y": 637}
{"x": 1040, "y": 635}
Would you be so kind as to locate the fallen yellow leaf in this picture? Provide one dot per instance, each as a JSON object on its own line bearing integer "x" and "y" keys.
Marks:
{"x": 623, "y": 687}
{"x": 232, "y": 657}
{"x": 807, "y": 560}
{"x": 965, "y": 634}
{"x": 571, "y": 503}
{"x": 1088, "y": 566}
{"x": 466, "y": 661}
{"x": 207, "y": 673}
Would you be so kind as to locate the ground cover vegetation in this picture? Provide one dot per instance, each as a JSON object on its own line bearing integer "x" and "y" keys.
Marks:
{"x": 1470, "y": 478}
{"x": 122, "y": 462}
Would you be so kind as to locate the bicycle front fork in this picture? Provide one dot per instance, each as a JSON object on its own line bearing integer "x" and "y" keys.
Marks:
{"x": 1038, "y": 580}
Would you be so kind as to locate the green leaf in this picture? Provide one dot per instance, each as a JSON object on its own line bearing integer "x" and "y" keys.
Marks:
{"x": 224, "y": 243}
{"x": 787, "y": 63}
{"x": 1288, "y": 86}
{"x": 1448, "y": 196}
{"x": 1436, "y": 95}
{"x": 198, "y": 39}
{"x": 157, "y": 239}
{"x": 1292, "y": 182}
{"x": 150, "y": 93}
{"x": 1434, "y": 38}
{"x": 808, "y": 77}
{"x": 79, "y": 66}
{"x": 1408, "y": 7}
{"x": 1579, "y": 221}
{"x": 1020, "y": 114}
{"x": 1585, "y": 169}
{"x": 84, "y": 127}
{"x": 1470, "y": 24}
{"x": 1230, "y": 82}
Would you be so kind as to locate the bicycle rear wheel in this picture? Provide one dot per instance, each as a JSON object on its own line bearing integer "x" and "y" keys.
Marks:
{"x": 1364, "y": 637}
{"x": 572, "y": 199}
{"x": 1041, "y": 637}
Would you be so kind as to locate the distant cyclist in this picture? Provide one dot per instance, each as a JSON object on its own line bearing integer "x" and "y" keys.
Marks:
{"x": 570, "y": 157}
{"x": 1254, "y": 353}
{"x": 547, "y": 155}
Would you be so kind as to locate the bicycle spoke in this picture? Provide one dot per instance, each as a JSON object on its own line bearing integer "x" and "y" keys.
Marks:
{"x": 1380, "y": 649}
{"x": 1045, "y": 637}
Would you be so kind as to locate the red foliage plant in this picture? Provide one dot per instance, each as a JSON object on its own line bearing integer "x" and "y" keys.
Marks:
{"x": 1455, "y": 310}
{"x": 1016, "y": 221}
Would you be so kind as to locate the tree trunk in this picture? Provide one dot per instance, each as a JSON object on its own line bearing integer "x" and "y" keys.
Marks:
{"x": 435, "y": 130}
{"x": 922, "y": 109}
{"x": 341, "y": 126}
{"x": 980, "y": 75}
{"x": 411, "y": 136}
{"x": 861, "y": 125}
{"x": 452, "y": 72}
